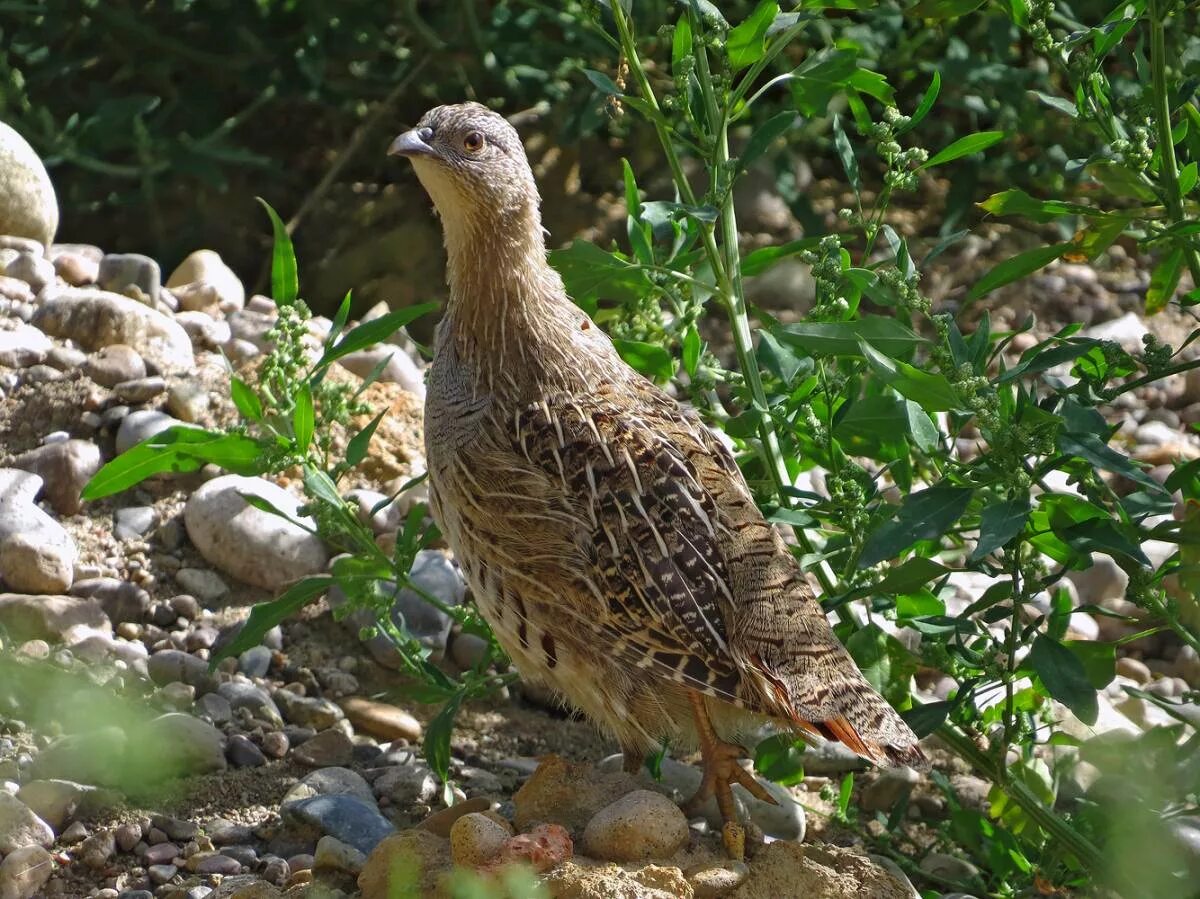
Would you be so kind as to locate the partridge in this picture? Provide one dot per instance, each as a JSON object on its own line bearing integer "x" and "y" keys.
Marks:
{"x": 608, "y": 536}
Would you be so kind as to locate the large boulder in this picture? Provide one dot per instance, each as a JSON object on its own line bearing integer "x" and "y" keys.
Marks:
{"x": 28, "y": 207}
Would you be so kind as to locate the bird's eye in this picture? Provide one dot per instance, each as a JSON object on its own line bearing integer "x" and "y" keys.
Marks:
{"x": 473, "y": 142}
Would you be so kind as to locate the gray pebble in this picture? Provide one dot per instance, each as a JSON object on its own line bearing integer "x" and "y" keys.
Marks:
{"x": 242, "y": 752}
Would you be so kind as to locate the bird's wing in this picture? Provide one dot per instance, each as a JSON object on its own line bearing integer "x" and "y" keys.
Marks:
{"x": 650, "y": 532}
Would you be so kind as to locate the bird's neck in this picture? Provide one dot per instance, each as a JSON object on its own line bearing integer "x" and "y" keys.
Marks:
{"x": 505, "y": 299}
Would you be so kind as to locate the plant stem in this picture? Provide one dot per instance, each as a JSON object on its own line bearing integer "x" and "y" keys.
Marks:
{"x": 1162, "y": 120}
{"x": 726, "y": 265}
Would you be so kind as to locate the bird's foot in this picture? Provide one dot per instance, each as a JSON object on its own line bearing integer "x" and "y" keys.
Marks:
{"x": 721, "y": 771}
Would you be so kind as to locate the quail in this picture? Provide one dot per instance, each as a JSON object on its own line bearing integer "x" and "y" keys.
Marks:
{"x": 608, "y": 536}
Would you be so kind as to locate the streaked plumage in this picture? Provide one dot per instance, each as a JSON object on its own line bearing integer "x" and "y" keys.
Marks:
{"x": 609, "y": 538}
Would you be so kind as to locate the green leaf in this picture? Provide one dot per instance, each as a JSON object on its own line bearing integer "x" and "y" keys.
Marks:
{"x": 265, "y": 615}
{"x": 1017, "y": 267}
{"x": 1064, "y": 677}
{"x": 375, "y": 331}
{"x": 1099, "y": 660}
{"x": 844, "y": 338}
{"x": 924, "y": 515}
{"x": 780, "y": 758}
{"x": 873, "y": 426}
{"x": 924, "y": 433}
{"x": 1122, "y": 181}
{"x": 931, "y": 390}
{"x": 591, "y": 273}
{"x": 1016, "y": 202}
{"x": 845, "y": 153}
{"x": 602, "y": 83}
{"x": 965, "y": 146}
{"x": 921, "y": 604}
{"x": 650, "y": 359}
{"x": 779, "y": 360}
{"x": 945, "y": 9}
{"x": 925, "y": 719}
{"x": 285, "y": 280}
{"x": 690, "y": 350}
{"x": 437, "y": 738}
{"x": 177, "y": 449}
{"x": 912, "y": 573}
{"x": 883, "y": 661}
{"x": 356, "y": 449}
{"x": 1092, "y": 449}
{"x": 1101, "y": 535}
{"x": 927, "y": 100}
{"x": 746, "y": 43}
{"x": 1188, "y": 176}
{"x": 765, "y": 135}
{"x": 758, "y": 261}
{"x": 320, "y": 485}
{"x": 1000, "y": 523}
{"x": 1164, "y": 280}
{"x": 248, "y": 404}
{"x": 303, "y": 418}
{"x": 681, "y": 45}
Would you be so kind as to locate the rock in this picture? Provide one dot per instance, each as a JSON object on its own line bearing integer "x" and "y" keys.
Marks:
{"x": 476, "y": 838}
{"x": 419, "y": 855}
{"x": 219, "y": 864}
{"x": 33, "y": 268}
{"x": 214, "y": 708}
{"x": 714, "y": 881}
{"x": 399, "y": 369}
{"x": 255, "y": 661}
{"x": 640, "y": 825}
{"x": 188, "y": 400}
{"x": 561, "y": 792}
{"x": 784, "y": 868}
{"x": 379, "y": 719}
{"x": 64, "y": 467}
{"x": 331, "y": 782}
{"x": 97, "y": 318}
{"x": 140, "y": 390}
{"x": 205, "y": 585}
{"x": 580, "y": 880}
{"x": 1128, "y": 331}
{"x": 249, "y": 886}
{"x": 22, "y": 345}
{"x": 254, "y": 546}
{"x": 443, "y": 819}
{"x": 132, "y": 275}
{"x": 347, "y": 818}
{"x": 75, "y": 265}
{"x": 142, "y": 425}
{"x": 205, "y": 331}
{"x": 408, "y": 784}
{"x": 121, "y": 601}
{"x": 55, "y": 619}
{"x": 65, "y": 358}
{"x": 28, "y": 207}
{"x": 160, "y": 854}
{"x": 54, "y": 801}
{"x": 115, "y": 364}
{"x": 431, "y": 572}
{"x": 334, "y": 855}
{"x": 308, "y": 711}
{"x": 256, "y": 700}
{"x": 133, "y": 522}
{"x": 206, "y": 267}
{"x": 25, "y": 871}
{"x": 242, "y": 752}
{"x": 175, "y": 666}
{"x": 828, "y": 758}
{"x": 329, "y": 748}
{"x": 20, "y": 827}
{"x": 784, "y": 821}
{"x": 891, "y": 786}
{"x": 17, "y": 292}
{"x": 1134, "y": 669}
{"x": 180, "y": 745}
{"x": 948, "y": 867}
{"x": 98, "y": 849}
{"x": 37, "y": 555}
{"x": 87, "y": 758}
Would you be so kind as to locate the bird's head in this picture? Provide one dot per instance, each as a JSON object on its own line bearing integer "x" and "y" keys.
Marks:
{"x": 472, "y": 164}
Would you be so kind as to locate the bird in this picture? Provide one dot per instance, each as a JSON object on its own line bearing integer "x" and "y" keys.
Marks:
{"x": 608, "y": 536}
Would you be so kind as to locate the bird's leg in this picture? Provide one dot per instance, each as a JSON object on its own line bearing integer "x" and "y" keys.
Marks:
{"x": 721, "y": 769}
{"x": 631, "y": 760}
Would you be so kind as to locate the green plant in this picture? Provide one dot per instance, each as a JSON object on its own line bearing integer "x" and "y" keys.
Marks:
{"x": 874, "y": 388}
{"x": 288, "y": 418}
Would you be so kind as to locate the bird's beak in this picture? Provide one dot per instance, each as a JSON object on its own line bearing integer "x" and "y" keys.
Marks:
{"x": 410, "y": 144}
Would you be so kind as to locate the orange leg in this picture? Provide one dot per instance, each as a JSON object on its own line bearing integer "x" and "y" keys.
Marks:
{"x": 721, "y": 770}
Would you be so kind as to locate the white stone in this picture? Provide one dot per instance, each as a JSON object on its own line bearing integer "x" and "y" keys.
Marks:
{"x": 37, "y": 555}
{"x": 254, "y": 546}
{"x": 208, "y": 267}
{"x": 142, "y": 425}
{"x": 22, "y": 345}
{"x": 97, "y": 318}
{"x": 1128, "y": 331}
{"x": 28, "y": 206}
{"x": 33, "y": 268}
{"x": 640, "y": 825}
{"x": 400, "y": 368}
{"x": 205, "y": 331}
{"x": 24, "y": 872}
{"x": 20, "y": 827}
